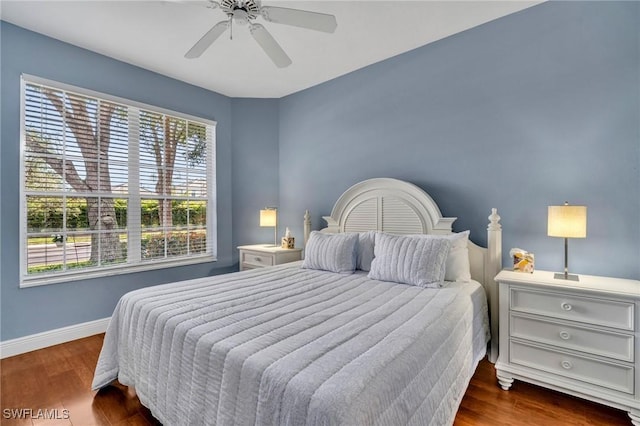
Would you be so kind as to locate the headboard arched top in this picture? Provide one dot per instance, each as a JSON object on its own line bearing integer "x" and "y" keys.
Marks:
{"x": 390, "y": 205}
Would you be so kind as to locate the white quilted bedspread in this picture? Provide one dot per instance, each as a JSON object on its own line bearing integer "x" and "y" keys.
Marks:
{"x": 291, "y": 346}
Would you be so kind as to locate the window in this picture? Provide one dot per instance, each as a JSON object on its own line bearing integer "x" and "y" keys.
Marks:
{"x": 111, "y": 185}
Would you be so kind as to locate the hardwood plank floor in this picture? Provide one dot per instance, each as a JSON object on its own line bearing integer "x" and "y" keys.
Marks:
{"x": 58, "y": 380}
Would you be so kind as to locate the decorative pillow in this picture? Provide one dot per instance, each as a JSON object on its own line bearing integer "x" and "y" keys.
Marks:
{"x": 366, "y": 241}
{"x": 410, "y": 259}
{"x": 457, "y": 266}
{"x": 331, "y": 252}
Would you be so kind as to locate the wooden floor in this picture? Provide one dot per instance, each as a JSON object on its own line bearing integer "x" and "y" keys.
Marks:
{"x": 59, "y": 378}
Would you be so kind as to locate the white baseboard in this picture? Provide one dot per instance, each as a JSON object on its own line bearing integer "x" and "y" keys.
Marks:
{"x": 53, "y": 337}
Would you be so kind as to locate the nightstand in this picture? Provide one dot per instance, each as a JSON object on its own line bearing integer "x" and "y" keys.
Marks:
{"x": 580, "y": 338}
{"x": 262, "y": 255}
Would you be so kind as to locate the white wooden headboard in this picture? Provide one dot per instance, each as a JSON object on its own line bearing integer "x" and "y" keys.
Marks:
{"x": 399, "y": 207}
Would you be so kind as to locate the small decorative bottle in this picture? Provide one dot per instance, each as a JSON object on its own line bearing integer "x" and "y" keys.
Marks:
{"x": 288, "y": 242}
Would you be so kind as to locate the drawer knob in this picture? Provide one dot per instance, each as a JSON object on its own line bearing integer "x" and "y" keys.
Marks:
{"x": 564, "y": 335}
{"x": 566, "y": 306}
{"x": 566, "y": 365}
{"x": 258, "y": 259}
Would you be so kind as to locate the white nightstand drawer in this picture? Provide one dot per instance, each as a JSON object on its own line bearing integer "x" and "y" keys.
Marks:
{"x": 589, "y": 370}
{"x": 256, "y": 259}
{"x": 571, "y": 336}
{"x": 262, "y": 255}
{"x": 611, "y": 313}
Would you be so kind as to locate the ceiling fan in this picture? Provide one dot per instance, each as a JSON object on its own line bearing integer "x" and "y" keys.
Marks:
{"x": 244, "y": 13}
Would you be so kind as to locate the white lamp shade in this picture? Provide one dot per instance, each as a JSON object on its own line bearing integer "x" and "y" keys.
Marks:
{"x": 268, "y": 217}
{"x": 567, "y": 221}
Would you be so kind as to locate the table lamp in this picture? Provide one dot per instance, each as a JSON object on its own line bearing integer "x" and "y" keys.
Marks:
{"x": 268, "y": 218}
{"x": 567, "y": 222}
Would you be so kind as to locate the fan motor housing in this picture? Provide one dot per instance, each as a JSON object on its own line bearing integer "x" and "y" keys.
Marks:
{"x": 251, "y": 7}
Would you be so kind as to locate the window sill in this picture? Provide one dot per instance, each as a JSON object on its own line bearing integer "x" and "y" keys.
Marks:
{"x": 64, "y": 277}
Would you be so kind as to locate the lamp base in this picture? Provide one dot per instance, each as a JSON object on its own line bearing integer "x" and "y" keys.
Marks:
{"x": 567, "y": 277}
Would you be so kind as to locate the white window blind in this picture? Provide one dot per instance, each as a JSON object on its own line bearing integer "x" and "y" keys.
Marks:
{"x": 111, "y": 184}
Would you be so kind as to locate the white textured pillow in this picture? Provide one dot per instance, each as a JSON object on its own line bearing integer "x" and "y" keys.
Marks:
{"x": 331, "y": 252}
{"x": 457, "y": 267}
{"x": 410, "y": 259}
{"x": 366, "y": 242}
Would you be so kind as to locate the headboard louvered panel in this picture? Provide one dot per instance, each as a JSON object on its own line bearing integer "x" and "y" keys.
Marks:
{"x": 389, "y": 205}
{"x": 362, "y": 217}
{"x": 398, "y": 217}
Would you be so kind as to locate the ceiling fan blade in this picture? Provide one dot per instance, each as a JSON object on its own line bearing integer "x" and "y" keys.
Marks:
{"x": 300, "y": 18}
{"x": 270, "y": 45}
{"x": 207, "y": 40}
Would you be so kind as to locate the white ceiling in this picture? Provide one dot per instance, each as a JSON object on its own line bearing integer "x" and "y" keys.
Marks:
{"x": 156, "y": 34}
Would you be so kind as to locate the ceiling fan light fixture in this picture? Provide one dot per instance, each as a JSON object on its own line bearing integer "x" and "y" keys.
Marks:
{"x": 241, "y": 17}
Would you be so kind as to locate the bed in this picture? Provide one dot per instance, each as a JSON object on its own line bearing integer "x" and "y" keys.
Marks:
{"x": 297, "y": 344}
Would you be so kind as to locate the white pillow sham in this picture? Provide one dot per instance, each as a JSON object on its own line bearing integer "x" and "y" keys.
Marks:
{"x": 366, "y": 243}
{"x": 331, "y": 252}
{"x": 458, "y": 267}
{"x": 410, "y": 260}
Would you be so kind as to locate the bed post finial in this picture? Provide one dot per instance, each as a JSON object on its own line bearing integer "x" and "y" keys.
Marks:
{"x": 494, "y": 218}
{"x": 307, "y": 226}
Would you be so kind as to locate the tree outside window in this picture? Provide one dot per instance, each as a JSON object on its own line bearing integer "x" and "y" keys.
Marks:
{"x": 107, "y": 183}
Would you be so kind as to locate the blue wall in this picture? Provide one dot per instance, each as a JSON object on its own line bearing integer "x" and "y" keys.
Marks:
{"x": 526, "y": 111}
{"x": 254, "y": 167}
{"x": 32, "y": 310}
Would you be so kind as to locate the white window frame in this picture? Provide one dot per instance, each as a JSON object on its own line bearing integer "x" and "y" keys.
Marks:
{"x": 124, "y": 268}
